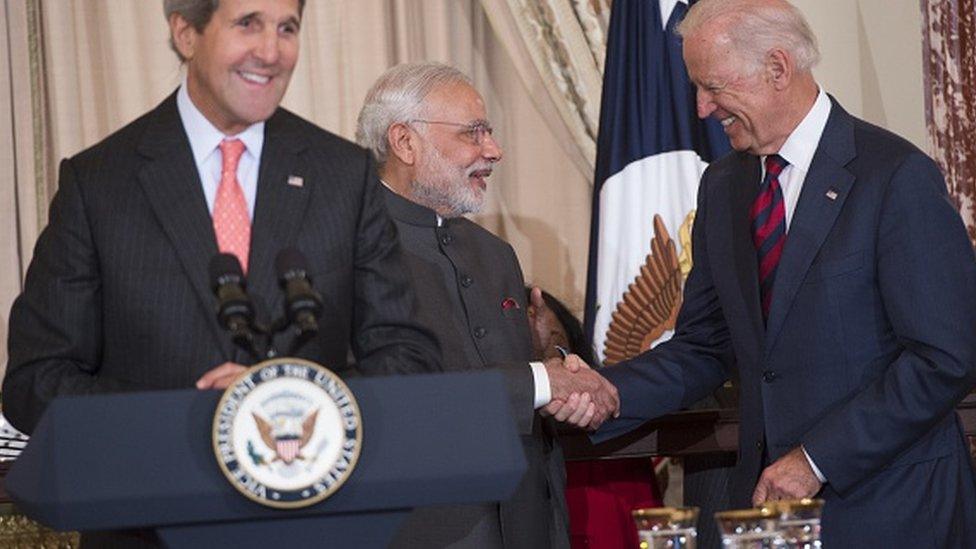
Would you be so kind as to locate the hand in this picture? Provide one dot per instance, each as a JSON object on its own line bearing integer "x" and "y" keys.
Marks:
{"x": 577, "y": 410}
{"x": 790, "y": 477}
{"x": 575, "y": 388}
{"x": 220, "y": 377}
{"x": 546, "y": 329}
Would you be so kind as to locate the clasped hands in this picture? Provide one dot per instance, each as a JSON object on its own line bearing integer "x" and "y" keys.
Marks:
{"x": 580, "y": 396}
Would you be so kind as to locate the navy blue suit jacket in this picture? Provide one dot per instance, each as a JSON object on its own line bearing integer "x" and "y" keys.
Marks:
{"x": 869, "y": 345}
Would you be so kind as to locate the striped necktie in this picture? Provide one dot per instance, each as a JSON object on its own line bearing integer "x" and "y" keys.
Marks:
{"x": 768, "y": 217}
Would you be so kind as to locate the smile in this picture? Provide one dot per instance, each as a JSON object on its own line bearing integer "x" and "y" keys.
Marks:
{"x": 254, "y": 78}
{"x": 478, "y": 177}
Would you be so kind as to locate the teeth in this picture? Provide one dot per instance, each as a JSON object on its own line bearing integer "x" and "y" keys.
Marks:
{"x": 728, "y": 121}
{"x": 256, "y": 78}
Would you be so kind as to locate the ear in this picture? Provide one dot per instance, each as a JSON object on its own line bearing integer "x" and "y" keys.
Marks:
{"x": 779, "y": 68}
{"x": 403, "y": 143}
{"x": 183, "y": 34}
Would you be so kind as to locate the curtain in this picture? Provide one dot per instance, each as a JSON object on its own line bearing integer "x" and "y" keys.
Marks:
{"x": 558, "y": 48}
{"x": 24, "y": 181}
{"x": 949, "y": 35}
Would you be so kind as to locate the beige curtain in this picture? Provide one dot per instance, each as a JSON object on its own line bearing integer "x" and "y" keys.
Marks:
{"x": 949, "y": 32}
{"x": 558, "y": 48}
{"x": 24, "y": 188}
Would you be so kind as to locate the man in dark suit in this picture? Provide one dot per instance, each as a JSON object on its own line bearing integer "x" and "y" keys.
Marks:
{"x": 835, "y": 279}
{"x": 428, "y": 128}
{"x": 118, "y": 296}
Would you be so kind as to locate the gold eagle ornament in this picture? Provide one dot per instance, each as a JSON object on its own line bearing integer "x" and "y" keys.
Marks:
{"x": 651, "y": 303}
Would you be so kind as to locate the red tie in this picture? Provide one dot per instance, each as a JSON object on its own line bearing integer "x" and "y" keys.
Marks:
{"x": 231, "y": 222}
{"x": 768, "y": 217}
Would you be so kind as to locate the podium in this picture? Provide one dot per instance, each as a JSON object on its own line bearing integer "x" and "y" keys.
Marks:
{"x": 146, "y": 460}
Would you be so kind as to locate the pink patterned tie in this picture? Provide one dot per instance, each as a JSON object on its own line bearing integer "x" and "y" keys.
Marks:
{"x": 231, "y": 222}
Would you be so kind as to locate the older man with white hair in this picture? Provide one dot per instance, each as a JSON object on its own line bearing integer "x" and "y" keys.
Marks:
{"x": 427, "y": 127}
{"x": 835, "y": 280}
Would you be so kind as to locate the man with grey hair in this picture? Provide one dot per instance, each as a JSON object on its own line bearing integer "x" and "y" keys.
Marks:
{"x": 427, "y": 127}
{"x": 835, "y": 280}
{"x": 118, "y": 296}
{"x": 197, "y": 14}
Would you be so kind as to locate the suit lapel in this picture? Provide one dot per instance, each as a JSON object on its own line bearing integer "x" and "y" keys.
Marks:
{"x": 825, "y": 190}
{"x": 279, "y": 210}
{"x": 172, "y": 185}
{"x": 744, "y": 189}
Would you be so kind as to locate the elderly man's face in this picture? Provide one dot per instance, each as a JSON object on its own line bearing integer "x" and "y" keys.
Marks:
{"x": 238, "y": 68}
{"x": 740, "y": 97}
{"x": 454, "y": 162}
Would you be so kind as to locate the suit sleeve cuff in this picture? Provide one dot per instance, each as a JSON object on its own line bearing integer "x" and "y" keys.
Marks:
{"x": 816, "y": 470}
{"x": 542, "y": 392}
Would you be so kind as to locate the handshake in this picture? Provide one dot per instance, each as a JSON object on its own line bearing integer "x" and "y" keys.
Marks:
{"x": 580, "y": 396}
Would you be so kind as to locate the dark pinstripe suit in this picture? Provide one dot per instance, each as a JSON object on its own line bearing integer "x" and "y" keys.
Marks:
{"x": 117, "y": 296}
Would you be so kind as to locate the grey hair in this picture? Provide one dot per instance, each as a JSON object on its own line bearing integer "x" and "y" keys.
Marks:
{"x": 755, "y": 28}
{"x": 198, "y": 14}
{"x": 398, "y": 96}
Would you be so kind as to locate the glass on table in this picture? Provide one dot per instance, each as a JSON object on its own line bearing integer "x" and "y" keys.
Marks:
{"x": 749, "y": 528}
{"x": 798, "y": 522}
{"x": 667, "y": 527}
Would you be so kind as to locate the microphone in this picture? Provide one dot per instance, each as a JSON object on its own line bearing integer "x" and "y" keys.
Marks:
{"x": 303, "y": 305}
{"x": 235, "y": 312}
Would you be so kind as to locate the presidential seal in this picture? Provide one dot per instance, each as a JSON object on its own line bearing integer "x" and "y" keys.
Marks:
{"x": 287, "y": 433}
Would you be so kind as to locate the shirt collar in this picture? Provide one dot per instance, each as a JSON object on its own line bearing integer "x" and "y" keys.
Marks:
{"x": 801, "y": 145}
{"x": 205, "y": 137}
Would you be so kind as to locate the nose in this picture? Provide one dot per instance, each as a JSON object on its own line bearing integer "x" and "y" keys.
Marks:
{"x": 490, "y": 149}
{"x": 706, "y": 105}
{"x": 268, "y": 49}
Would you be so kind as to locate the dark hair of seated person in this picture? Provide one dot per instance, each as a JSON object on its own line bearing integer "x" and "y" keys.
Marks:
{"x": 578, "y": 344}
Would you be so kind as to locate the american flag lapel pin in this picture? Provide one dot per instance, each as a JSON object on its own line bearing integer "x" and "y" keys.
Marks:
{"x": 296, "y": 181}
{"x": 832, "y": 193}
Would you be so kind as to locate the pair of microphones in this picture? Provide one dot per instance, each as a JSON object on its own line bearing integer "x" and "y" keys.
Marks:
{"x": 235, "y": 310}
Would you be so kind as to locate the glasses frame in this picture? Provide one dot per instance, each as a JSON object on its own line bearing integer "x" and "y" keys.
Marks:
{"x": 477, "y": 130}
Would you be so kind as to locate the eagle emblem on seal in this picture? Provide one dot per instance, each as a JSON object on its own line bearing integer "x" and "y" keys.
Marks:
{"x": 651, "y": 303}
{"x": 286, "y": 437}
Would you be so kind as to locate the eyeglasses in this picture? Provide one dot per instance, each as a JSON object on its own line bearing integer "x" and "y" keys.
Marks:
{"x": 476, "y": 132}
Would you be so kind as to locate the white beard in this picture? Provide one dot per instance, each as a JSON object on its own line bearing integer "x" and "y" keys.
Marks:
{"x": 444, "y": 188}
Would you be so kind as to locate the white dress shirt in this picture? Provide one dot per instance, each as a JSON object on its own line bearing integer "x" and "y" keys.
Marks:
{"x": 798, "y": 150}
{"x": 205, "y": 141}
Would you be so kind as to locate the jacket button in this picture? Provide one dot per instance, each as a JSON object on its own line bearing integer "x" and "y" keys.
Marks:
{"x": 446, "y": 239}
{"x": 769, "y": 376}
{"x": 759, "y": 444}
{"x": 480, "y": 332}
{"x": 466, "y": 280}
